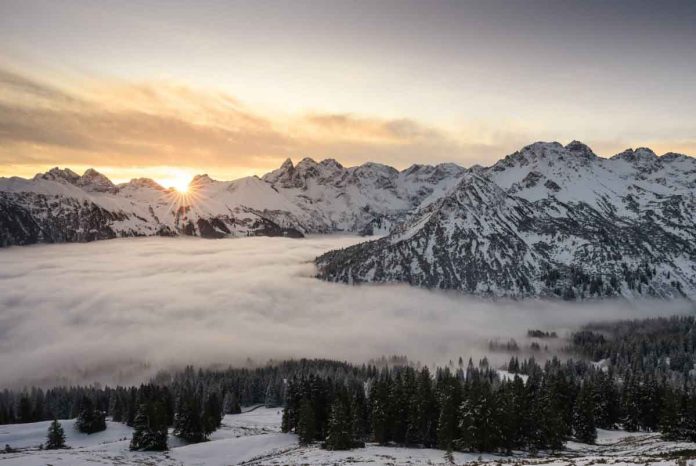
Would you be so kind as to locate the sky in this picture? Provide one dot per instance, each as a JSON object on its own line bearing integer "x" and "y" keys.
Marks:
{"x": 231, "y": 88}
{"x": 118, "y": 311}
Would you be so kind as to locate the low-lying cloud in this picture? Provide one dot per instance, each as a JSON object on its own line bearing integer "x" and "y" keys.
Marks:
{"x": 117, "y": 311}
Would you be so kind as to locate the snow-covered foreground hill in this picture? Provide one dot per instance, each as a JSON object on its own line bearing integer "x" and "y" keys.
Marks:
{"x": 254, "y": 438}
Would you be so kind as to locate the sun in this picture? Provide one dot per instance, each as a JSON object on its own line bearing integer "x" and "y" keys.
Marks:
{"x": 179, "y": 182}
{"x": 181, "y": 186}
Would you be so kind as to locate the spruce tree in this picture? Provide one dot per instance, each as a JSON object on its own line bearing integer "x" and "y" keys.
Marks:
{"x": 230, "y": 404}
{"x": 56, "y": 436}
{"x": 584, "y": 427}
{"x": 688, "y": 418}
{"x": 669, "y": 419}
{"x": 339, "y": 433}
{"x": 306, "y": 424}
{"x": 212, "y": 414}
{"x": 90, "y": 420}
{"x": 425, "y": 410}
{"x": 188, "y": 422}
{"x": 380, "y": 414}
{"x": 448, "y": 422}
{"x": 25, "y": 411}
{"x": 631, "y": 405}
{"x": 150, "y": 428}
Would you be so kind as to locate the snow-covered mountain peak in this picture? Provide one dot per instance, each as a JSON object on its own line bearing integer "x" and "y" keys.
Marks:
{"x": 59, "y": 174}
{"x": 579, "y": 149}
{"x": 641, "y": 155}
{"x": 281, "y": 175}
{"x": 200, "y": 180}
{"x": 331, "y": 164}
{"x": 294, "y": 176}
{"x": 92, "y": 180}
{"x": 137, "y": 183}
{"x": 546, "y": 221}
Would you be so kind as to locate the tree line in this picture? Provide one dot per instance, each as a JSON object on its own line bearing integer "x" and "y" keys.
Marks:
{"x": 644, "y": 381}
{"x": 475, "y": 409}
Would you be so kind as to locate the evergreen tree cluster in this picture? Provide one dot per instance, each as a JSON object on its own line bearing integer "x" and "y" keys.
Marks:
{"x": 661, "y": 347}
{"x": 474, "y": 409}
{"x": 90, "y": 419}
{"x": 645, "y": 382}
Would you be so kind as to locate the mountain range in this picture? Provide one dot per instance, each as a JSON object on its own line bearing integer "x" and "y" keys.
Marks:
{"x": 548, "y": 220}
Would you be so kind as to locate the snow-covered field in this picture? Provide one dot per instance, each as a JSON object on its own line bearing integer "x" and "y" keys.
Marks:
{"x": 254, "y": 438}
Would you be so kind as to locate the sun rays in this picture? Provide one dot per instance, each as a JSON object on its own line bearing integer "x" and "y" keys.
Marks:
{"x": 185, "y": 197}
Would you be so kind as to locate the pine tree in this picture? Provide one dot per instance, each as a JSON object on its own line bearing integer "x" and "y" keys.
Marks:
{"x": 631, "y": 405}
{"x": 116, "y": 410}
{"x": 380, "y": 422}
{"x": 426, "y": 409}
{"x": 359, "y": 416}
{"x": 478, "y": 429}
{"x": 584, "y": 427}
{"x": 150, "y": 428}
{"x": 90, "y": 420}
{"x": 188, "y": 422}
{"x": 212, "y": 414}
{"x": 448, "y": 422}
{"x": 271, "y": 399}
{"x": 669, "y": 419}
{"x": 688, "y": 418}
{"x": 306, "y": 424}
{"x": 339, "y": 433}
{"x": 25, "y": 411}
{"x": 230, "y": 404}
{"x": 56, "y": 436}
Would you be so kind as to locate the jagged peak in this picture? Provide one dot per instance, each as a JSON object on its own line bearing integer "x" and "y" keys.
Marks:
{"x": 287, "y": 165}
{"x": 331, "y": 163}
{"x": 202, "y": 179}
{"x": 144, "y": 183}
{"x": 307, "y": 162}
{"x": 670, "y": 156}
{"x": 542, "y": 145}
{"x": 376, "y": 167}
{"x": 416, "y": 167}
{"x": 92, "y": 180}
{"x": 580, "y": 149}
{"x": 439, "y": 169}
{"x": 92, "y": 173}
{"x": 56, "y": 174}
{"x": 637, "y": 155}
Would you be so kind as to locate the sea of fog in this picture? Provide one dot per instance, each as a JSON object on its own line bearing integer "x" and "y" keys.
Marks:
{"x": 117, "y": 311}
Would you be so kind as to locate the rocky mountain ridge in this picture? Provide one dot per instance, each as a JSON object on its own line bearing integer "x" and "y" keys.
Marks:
{"x": 547, "y": 220}
{"x": 311, "y": 197}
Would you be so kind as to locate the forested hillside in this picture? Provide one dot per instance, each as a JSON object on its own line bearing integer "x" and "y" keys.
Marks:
{"x": 635, "y": 375}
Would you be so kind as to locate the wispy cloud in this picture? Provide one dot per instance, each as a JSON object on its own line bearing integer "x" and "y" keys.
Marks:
{"x": 115, "y": 123}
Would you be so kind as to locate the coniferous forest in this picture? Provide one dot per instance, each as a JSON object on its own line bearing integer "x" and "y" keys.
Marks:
{"x": 634, "y": 375}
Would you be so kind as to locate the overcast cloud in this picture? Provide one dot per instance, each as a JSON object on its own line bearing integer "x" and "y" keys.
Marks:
{"x": 116, "y": 311}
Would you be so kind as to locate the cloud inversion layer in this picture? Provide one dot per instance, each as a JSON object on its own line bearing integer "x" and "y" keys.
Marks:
{"x": 118, "y": 310}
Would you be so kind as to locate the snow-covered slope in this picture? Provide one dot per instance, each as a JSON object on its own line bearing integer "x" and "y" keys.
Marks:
{"x": 546, "y": 221}
{"x": 254, "y": 438}
{"x": 62, "y": 206}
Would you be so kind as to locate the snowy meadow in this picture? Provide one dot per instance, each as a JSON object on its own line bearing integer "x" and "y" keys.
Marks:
{"x": 117, "y": 311}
